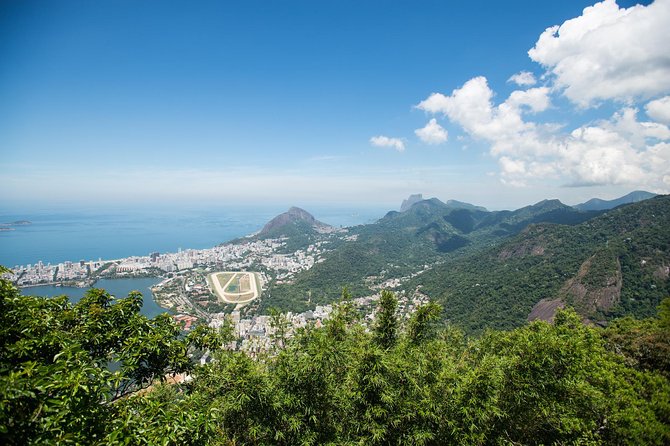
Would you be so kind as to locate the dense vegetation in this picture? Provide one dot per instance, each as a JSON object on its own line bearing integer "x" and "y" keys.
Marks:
{"x": 497, "y": 287}
{"x": 401, "y": 243}
{"x": 399, "y": 382}
{"x": 65, "y": 369}
{"x": 490, "y": 269}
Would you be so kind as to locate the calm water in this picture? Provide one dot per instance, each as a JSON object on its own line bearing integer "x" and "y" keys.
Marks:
{"x": 116, "y": 287}
{"x": 89, "y": 235}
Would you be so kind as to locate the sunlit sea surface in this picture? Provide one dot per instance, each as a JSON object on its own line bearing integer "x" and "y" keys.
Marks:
{"x": 88, "y": 235}
{"x": 57, "y": 236}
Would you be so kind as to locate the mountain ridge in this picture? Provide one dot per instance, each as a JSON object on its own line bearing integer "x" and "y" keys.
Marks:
{"x": 597, "y": 204}
{"x": 614, "y": 264}
{"x": 400, "y": 243}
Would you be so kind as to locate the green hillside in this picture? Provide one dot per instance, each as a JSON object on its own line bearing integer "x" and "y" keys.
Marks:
{"x": 402, "y": 243}
{"x": 596, "y": 204}
{"x": 296, "y": 226}
{"x": 612, "y": 265}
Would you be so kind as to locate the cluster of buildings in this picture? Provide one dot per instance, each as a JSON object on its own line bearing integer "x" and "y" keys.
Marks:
{"x": 260, "y": 334}
{"x": 231, "y": 256}
{"x": 45, "y": 274}
{"x": 254, "y": 334}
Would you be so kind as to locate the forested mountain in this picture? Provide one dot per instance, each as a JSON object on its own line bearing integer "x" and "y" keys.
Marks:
{"x": 413, "y": 199}
{"x": 406, "y": 204}
{"x": 293, "y": 222}
{"x": 469, "y": 371}
{"x": 402, "y": 243}
{"x": 611, "y": 265}
{"x": 298, "y": 227}
{"x": 596, "y": 204}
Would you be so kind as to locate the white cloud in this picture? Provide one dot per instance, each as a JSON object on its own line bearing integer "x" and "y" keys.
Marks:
{"x": 620, "y": 150}
{"x": 385, "y": 141}
{"x": 512, "y": 167}
{"x": 596, "y": 155}
{"x": 432, "y": 133}
{"x": 471, "y": 107}
{"x": 468, "y": 104}
{"x": 609, "y": 53}
{"x": 523, "y": 79}
{"x": 536, "y": 99}
{"x": 659, "y": 109}
{"x": 638, "y": 133}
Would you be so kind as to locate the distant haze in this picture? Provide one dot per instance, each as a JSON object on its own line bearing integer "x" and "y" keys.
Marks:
{"x": 130, "y": 103}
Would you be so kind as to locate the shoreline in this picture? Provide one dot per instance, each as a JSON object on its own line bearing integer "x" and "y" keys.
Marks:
{"x": 89, "y": 283}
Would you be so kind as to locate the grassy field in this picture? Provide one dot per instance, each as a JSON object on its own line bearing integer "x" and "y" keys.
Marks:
{"x": 223, "y": 278}
{"x": 239, "y": 284}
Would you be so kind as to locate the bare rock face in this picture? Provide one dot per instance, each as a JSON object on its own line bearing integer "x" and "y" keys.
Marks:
{"x": 412, "y": 199}
{"x": 591, "y": 297}
{"x": 521, "y": 250}
{"x": 662, "y": 272}
{"x": 596, "y": 287}
{"x": 545, "y": 310}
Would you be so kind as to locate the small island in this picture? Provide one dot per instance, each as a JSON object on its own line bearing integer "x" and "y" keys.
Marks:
{"x": 8, "y": 226}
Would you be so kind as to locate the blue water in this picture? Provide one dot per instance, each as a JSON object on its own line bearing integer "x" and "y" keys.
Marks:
{"x": 116, "y": 287}
{"x": 57, "y": 236}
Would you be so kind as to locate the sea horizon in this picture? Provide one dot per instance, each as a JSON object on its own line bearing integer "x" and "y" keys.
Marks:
{"x": 61, "y": 234}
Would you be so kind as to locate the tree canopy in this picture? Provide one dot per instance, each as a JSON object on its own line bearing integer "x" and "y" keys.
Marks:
{"x": 72, "y": 374}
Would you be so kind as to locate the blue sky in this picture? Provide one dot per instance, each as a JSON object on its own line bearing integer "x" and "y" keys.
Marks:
{"x": 317, "y": 102}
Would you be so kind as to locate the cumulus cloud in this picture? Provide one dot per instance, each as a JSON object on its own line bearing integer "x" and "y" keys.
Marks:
{"x": 471, "y": 107}
{"x": 606, "y": 54}
{"x": 536, "y": 99}
{"x": 659, "y": 109}
{"x": 625, "y": 123}
{"x": 609, "y": 53}
{"x": 523, "y": 79}
{"x": 385, "y": 141}
{"x": 617, "y": 150}
{"x": 596, "y": 155}
{"x": 432, "y": 133}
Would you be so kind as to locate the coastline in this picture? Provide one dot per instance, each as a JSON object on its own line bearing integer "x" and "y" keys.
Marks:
{"x": 116, "y": 287}
{"x": 60, "y": 284}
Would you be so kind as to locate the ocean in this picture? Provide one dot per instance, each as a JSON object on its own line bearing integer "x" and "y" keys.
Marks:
{"x": 58, "y": 236}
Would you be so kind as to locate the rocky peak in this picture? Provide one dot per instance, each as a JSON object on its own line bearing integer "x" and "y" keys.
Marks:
{"x": 293, "y": 215}
{"x": 411, "y": 200}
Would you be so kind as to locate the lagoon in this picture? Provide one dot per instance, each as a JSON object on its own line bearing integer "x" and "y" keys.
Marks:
{"x": 116, "y": 287}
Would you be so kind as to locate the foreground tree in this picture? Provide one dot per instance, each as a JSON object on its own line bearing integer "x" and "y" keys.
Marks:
{"x": 341, "y": 384}
{"x": 386, "y": 323}
{"x": 62, "y": 366}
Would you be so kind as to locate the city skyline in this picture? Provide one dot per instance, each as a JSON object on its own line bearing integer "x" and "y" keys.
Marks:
{"x": 501, "y": 105}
